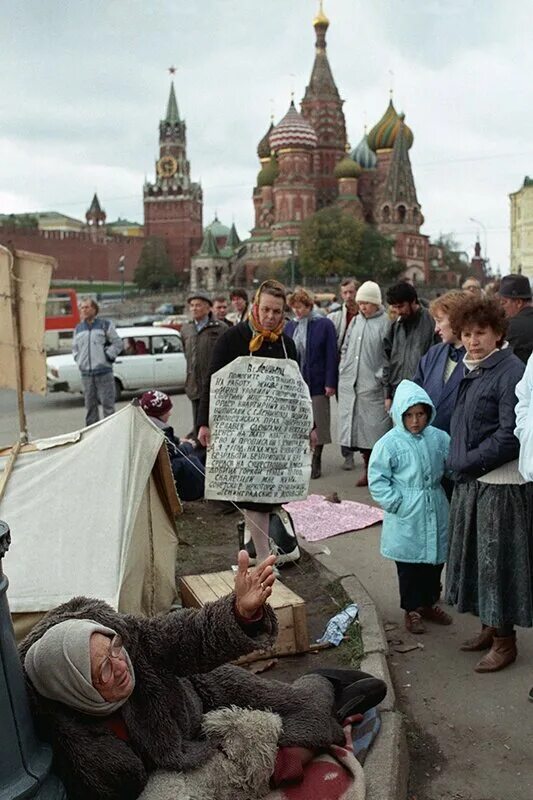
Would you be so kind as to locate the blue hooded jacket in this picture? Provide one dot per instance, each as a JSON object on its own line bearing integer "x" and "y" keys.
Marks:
{"x": 404, "y": 477}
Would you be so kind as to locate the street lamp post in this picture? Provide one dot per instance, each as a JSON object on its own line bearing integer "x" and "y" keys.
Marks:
{"x": 121, "y": 269}
{"x": 25, "y": 762}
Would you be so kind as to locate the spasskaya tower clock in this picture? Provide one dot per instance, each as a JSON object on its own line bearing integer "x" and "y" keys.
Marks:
{"x": 173, "y": 203}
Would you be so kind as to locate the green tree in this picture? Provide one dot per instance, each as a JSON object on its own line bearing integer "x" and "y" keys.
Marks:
{"x": 154, "y": 270}
{"x": 333, "y": 242}
{"x": 330, "y": 243}
{"x": 376, "y": 261}
{"x": 452, "y": 257}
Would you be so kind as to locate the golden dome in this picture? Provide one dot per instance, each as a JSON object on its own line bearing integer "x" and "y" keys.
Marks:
{"x": 321, "y": 18}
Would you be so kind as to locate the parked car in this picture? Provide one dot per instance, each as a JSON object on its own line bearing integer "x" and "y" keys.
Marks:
{"x": 173, "y": 321}
{"x": 152, "y": 358}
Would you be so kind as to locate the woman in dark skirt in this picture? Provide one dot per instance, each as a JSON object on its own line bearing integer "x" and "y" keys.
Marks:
{"x": 490, "y": 563}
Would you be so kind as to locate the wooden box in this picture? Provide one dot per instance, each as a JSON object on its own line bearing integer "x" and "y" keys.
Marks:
{"x": 196, "y": 590}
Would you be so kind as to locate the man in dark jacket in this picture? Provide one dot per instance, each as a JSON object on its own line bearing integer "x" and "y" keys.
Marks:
{"x": 410, "y": 336}
{"x": 199, "y": 338}
{"x": 95, "y": 345}
{"x": 515, "y": 297}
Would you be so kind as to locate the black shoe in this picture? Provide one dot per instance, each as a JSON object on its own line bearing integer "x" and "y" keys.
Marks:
{"x": 283, "y": 541}
{"x": 360, "y": 696}
{"x": 340, "y": 679}
{"x": 355, "y": 691}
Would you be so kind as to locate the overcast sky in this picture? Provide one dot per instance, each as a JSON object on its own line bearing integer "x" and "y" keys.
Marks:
{"x": 84, "y": 84}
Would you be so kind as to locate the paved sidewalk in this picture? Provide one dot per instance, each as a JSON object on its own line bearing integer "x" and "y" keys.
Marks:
{"x": 471, "y": 736}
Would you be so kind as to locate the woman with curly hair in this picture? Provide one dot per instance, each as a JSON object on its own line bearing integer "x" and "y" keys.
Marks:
{"x": 490, "y": 565}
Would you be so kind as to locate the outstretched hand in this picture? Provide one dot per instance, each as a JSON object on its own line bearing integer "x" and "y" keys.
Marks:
{"x": 253, "y": 586}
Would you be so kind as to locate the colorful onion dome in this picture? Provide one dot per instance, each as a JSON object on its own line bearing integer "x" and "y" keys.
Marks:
{"x": 347, "y": 168}
{"x": 384, "y": 133}
{"x": 365, "y": 157}
{"x": 263, "y": 148}
{"x": 269, "y": 172}
{"x": 293, "y": 132}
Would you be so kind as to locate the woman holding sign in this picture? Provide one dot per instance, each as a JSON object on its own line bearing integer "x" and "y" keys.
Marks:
{"x": 261, "y": 335}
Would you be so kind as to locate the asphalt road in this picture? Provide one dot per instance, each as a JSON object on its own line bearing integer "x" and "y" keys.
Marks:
{"x": 472, "y": 734}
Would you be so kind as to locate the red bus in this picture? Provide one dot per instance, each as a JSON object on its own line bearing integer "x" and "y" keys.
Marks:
{"x": 62, "y": 316}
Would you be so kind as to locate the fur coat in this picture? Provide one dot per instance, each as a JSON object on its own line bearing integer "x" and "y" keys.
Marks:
{"x": 177, "y": 661}
{"x": 163, "y": 716}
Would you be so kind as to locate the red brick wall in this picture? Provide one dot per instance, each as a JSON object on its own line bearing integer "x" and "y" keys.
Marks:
{"x": 80, "y": 256}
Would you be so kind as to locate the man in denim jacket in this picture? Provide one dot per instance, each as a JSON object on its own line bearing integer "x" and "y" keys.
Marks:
{"x": 95, "y": 345}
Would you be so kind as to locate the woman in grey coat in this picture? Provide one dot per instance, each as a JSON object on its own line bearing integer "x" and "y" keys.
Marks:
{"x": 120, "y": 696}
{"x": 362, "y": 415}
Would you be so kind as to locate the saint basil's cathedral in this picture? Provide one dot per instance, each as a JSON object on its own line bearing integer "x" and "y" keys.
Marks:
{"x": 307, "y": 165}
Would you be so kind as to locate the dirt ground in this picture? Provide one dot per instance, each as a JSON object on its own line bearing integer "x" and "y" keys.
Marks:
{"x": 209, "y": 543}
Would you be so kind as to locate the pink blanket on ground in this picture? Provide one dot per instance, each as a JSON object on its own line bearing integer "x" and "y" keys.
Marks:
{"x": 316, "y": 518}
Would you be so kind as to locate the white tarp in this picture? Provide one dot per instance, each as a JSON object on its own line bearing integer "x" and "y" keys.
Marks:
{"x": 86, "y": 517}
{"x": 260, "y": 419}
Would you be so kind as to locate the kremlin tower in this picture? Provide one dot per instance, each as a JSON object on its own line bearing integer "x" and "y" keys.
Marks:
{"x": 173, "y": 203}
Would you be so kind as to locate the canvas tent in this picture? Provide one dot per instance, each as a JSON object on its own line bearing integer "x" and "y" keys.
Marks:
{"x": 92, "y": 513}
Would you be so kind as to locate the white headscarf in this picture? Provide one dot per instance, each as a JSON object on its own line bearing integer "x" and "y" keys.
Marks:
{"x": 59, "y": 667}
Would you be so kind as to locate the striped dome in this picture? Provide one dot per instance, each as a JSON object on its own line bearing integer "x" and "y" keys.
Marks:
{"x": 363, "y": 155}
{"x": 383, "y": 135}
{"x": 293, "y": 132}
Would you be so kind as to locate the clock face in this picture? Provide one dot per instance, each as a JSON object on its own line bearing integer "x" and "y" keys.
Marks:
{"x": 167, "y": 166}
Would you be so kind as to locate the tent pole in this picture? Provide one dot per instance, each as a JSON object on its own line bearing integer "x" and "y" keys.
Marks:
{"x": 23, "y": 426}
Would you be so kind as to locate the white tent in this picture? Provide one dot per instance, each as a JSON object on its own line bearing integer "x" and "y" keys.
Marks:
{"x": 92, "y": 513}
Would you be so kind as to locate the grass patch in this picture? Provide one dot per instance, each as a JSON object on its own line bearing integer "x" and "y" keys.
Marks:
{"x": 352, "y": 650}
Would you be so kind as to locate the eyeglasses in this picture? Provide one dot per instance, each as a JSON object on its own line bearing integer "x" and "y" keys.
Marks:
{"x": 106, "y": 668}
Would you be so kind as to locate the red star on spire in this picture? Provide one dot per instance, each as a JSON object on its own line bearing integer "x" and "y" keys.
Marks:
{"x": 172, "y": 70}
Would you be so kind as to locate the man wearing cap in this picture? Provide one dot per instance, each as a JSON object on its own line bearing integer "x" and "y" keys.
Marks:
{"x": 515, "y": 297}
{"x": 199, "y": 337}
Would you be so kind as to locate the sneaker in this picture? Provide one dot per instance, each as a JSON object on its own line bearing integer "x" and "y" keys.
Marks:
{"x": 348, "y": 464}
{"x": 435, "y": 614}
{"x": 413, "y": 622}
{"x": 283, "y": 541}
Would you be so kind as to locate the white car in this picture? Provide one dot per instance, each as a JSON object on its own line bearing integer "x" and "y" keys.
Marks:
{"x": 152, "y": 358}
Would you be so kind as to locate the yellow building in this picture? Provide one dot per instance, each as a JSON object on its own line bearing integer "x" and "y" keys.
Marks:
{"x": 522, "y": 229}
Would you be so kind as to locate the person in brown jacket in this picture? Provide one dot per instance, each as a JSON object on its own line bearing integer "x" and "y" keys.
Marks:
{"x": 199, "y": 338}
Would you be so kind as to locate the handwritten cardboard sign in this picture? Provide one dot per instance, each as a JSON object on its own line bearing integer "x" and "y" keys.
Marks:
{"x": 260, "y": 420}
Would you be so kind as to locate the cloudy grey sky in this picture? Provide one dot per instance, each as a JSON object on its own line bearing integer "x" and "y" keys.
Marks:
{"x": 84, "y": 84}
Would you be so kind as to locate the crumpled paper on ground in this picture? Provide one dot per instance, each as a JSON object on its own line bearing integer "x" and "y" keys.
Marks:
{"x": 339, "y": 624}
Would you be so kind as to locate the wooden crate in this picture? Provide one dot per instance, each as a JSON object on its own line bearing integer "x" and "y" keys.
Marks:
{"x": 293, "y": 637}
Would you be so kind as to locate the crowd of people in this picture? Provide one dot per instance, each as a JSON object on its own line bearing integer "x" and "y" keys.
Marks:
{"x": 427, "y": 393}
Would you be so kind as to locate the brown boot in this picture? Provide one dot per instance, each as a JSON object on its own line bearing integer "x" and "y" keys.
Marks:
{"x": 502, "y": 653}
{"x": 363, "y": 480}
{"x": 483, "y": 641}
{"x": 316, "y": 463}
{"x": 413, "y": 622}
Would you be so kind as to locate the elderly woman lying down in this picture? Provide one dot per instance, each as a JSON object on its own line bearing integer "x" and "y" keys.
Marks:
{"x": 121, "y": 696}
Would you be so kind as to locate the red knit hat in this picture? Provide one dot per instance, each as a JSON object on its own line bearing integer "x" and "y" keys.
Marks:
{"x": 155, "y": 403}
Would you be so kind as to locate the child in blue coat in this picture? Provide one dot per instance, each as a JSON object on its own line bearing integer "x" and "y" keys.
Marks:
{"x": 404, "y": 476}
